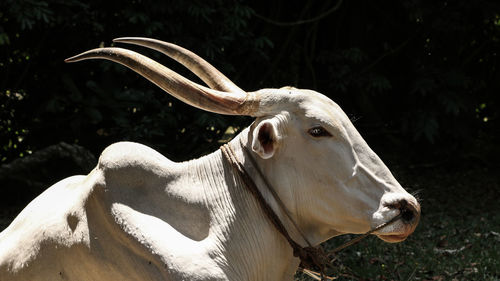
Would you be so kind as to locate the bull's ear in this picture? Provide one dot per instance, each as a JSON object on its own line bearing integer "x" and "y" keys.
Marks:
{"x": 265, "y": 139}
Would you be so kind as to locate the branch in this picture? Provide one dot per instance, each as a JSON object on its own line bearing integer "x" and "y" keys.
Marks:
{"x": 299, "y": 22}
{"x": 384, "y": 55}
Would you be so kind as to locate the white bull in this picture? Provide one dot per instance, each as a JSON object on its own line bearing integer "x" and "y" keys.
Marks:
{"x": 140, "y": 216}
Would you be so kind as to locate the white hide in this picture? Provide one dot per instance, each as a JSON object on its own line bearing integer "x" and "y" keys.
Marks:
{"x": 140, "y": 216}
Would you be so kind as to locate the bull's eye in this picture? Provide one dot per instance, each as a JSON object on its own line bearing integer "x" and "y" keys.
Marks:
{"x": 319, "y": 131}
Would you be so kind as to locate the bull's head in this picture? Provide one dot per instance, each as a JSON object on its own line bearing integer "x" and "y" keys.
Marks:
{"x": 329, "y": 178}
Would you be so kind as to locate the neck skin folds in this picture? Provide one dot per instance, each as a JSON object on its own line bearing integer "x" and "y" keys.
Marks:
{"x": 239, "y": 231}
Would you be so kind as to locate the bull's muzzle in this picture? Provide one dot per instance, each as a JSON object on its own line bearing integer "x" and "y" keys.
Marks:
{"x": 410, "y": 216}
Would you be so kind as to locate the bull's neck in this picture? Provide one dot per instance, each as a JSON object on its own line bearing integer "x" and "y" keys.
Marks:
{"x": 241, "y": 239}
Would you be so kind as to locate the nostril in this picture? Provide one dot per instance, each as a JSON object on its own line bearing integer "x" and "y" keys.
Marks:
{"x": 407, "y": 215}
{"x": 408, "y": 212}
{"x": 400, "y": 205}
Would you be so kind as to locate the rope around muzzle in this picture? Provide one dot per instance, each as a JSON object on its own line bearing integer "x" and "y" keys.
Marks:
{"x": 313, "y": 260}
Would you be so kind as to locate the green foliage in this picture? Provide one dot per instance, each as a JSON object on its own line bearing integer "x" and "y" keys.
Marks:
{"x": 97, "y": 103}
{"x": 417, "y": 73}
{"x": 13, "y": 132}
{"x": 27, "y": 13}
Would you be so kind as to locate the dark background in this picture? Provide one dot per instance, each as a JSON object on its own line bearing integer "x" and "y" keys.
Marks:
{"x": 419, "y": 79}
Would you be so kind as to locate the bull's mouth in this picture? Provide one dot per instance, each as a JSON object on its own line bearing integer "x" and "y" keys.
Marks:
{"x": 398, "y": 231}
{"x": 393, "y": 238}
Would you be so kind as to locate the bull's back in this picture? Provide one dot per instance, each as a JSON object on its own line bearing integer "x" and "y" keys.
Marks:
{"x": 69, "y": 233}
{"x": 51, "y": 223}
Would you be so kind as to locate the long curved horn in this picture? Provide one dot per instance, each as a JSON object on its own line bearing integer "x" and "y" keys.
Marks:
{"x": 208, "y": 73}
{"x": 173, "y": 83}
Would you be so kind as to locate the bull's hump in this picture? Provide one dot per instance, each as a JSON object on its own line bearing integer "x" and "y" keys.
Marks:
{"x": 135, "y": 162}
